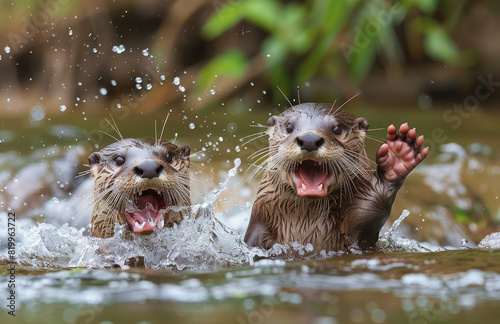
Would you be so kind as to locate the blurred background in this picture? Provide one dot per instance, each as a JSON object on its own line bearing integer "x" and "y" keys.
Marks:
{"x": 217, "y": 67}
{"x": 84, "y": 55}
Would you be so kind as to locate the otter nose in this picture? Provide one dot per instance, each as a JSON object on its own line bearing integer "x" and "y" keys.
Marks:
{"x": 148, "y": 169}
{"x": 310, "y": 142}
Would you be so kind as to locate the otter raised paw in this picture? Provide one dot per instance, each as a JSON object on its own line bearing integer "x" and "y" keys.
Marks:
{"x": 136, "y": 183}
{"x": 401, "y": 154}
{"x": 319, "y": 186}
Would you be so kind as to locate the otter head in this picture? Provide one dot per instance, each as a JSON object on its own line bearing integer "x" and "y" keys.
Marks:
{"x": 135, "y": 184}
{"x": 316, "y": 149}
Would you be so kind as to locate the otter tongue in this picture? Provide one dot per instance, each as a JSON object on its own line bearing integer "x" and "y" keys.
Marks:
{"x": 145, "y": 218}
{"x": 147, "y": 201}
{"x": 311, "y": 178}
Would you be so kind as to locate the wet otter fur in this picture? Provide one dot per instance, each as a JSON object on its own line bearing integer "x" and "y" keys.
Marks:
{"x": 135, "y": 183}
{"x": 318, "y": 184}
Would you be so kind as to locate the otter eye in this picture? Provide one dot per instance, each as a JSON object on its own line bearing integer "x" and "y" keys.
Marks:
{"x": 289, "y": 128}
{"x": 169, "y": 157}
{"x": 119, "y": 160}
{"x": 337, "y": 130}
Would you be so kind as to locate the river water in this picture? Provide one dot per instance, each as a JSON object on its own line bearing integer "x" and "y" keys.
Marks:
{"x": 437, "y": 264}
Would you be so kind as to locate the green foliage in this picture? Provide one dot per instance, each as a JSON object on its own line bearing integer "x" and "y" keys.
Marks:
{"x": 461, "y": 215}
{"x": 323, "y": 38}
{"x": 230, "y": 64}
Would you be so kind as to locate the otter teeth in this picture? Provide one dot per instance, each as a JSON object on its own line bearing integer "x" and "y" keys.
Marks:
{"x": 304, "y": 187}
{"x": 140, "y": 226}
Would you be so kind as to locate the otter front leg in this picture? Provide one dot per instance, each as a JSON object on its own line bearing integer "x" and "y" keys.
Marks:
{"x": 258, "y": 234}
{"x": 395, "y": 160}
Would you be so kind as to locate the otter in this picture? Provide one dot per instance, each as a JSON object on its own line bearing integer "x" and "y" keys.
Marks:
{"x": 319, "y": 186}
{"x": 135, "y": 183}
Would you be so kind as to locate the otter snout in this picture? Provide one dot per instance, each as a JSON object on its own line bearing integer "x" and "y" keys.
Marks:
{"x": 148, "y": 169}
{"x": 310, "y": 142}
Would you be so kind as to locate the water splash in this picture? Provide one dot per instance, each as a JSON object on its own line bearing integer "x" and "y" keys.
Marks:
{"x": 388, "y": 243}
{"x": 199, "y": 242}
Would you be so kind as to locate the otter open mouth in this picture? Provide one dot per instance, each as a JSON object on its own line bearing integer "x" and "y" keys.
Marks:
{"x": 146, "y": 212}
{"x": 311, "y": 179}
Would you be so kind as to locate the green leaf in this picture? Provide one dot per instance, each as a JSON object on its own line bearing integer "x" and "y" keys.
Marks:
{"x": 426, "y": 6}
{"x": 261, "y": 13}
{"x": 439, "y": 45}
{"x": 223, "y": 19}
{"x": 361, "y": 61}
{"x": 274, "y": 51}
{"x": 231, "y": 64}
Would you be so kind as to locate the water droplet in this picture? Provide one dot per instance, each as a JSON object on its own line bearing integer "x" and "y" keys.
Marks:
{"x": 113, "y": 83}
{"x": 177, "y": 81}
{"x": 237, "y": 148}
{"x": 212, "y": 92}
{"x": 191, "y": 126}
{"x": 221, "y": 139}
{"x": 145, "y": 52}
{"x": 118, "y": 49}
{"x": 149, "y": 86}
{"x": 103, "y": 91}
{"x": 138, "y": 80}
{"x": 7, "y": 49}
{"x": 118, "y": 105}
{"x": 162, "y": 77}
{"x": 62, "y": 108}
{"x": 94, "y": 50}
{"x": 182, "y": 89}
{"x": 37, "y": 113}
{"x": 138, "y": 86}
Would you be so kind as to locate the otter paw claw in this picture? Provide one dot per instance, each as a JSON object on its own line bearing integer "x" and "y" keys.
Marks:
{"x": 402, "y": 152}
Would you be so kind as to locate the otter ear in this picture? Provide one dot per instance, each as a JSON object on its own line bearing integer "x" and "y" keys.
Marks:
{"x": 185, "y": 151}
{"x": 94, "y": 158}
{"x": 271, "y": 121}
{"x": 362, "y": 124}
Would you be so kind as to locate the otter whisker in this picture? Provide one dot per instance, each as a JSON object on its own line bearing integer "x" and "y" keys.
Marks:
{"x": 163, "y": 128}
{"x": 254, "y": 134}
{"x": 342, "y": 105}
{"x": 266, "y": 149}
{"x": 114, "y": 126}
{"x": 109, "y": 135}
{"x": 333, "y": 106}
{"x": 203, "y": 150}
{"x": 264, "y": 134}
{"x": 289, "y": 102}
{"x": 259, "y": 125}
{"x": 368, "y": 130}
{"x": 358, "y": 156}
{"x": 375, "y": 139}
{"x": 83, "y": 173}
